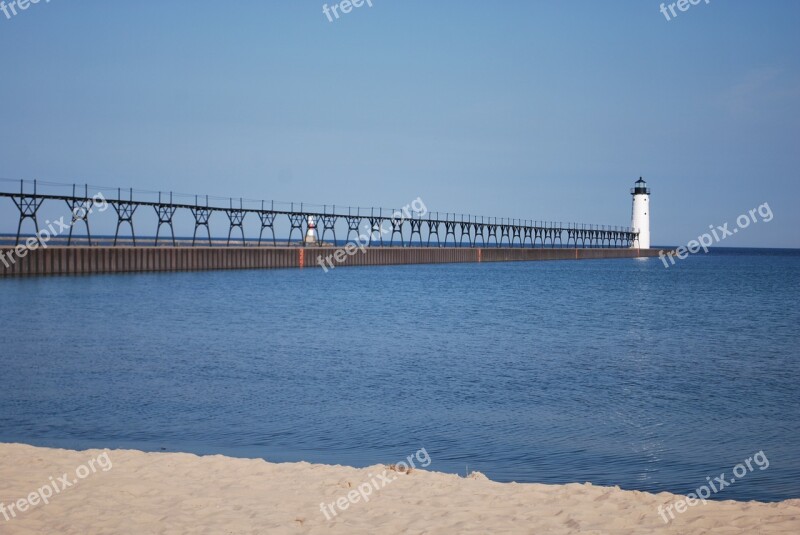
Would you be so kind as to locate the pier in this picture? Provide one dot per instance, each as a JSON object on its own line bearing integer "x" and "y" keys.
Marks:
{"x": 384, "y": 236}
{"x": 121, "y": 259}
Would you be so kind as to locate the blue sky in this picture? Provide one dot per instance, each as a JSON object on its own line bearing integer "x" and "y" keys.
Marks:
{"x": 540, "y": 110}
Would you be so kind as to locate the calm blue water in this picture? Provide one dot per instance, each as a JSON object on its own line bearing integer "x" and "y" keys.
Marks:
{"x": 618, "y": 372}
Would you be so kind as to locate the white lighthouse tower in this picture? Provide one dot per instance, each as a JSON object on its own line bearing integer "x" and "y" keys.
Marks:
{"x": 640, "y": 218}
{"x": 311, "y": 233}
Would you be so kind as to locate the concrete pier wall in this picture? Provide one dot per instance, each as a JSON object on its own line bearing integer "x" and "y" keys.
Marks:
{"x": 88, "y": 260}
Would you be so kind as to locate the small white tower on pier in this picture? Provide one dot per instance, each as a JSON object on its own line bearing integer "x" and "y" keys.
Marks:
{"x": 640, "y": 218}
{"x": 311, "y": 233}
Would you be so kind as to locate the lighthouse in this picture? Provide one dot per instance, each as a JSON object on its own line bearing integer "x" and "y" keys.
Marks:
{"x": 311, "y": 233}
{"x": 640, "y": 218}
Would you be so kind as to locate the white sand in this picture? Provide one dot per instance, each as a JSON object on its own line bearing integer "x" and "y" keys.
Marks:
{"x": 183, "y": 493}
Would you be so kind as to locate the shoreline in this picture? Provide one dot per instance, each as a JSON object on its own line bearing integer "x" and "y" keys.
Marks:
{"x": 129, "y": 491}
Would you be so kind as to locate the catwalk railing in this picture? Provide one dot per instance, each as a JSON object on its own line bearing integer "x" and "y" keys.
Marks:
{"x": 370, "y": 225}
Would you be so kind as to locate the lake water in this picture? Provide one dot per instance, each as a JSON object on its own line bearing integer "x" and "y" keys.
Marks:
{"x": 618, "y": 372}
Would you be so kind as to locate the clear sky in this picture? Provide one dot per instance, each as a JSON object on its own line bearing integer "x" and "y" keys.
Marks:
{"x": 529, "y": 109}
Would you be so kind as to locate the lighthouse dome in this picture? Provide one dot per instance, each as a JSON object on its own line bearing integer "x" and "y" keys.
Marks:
{"x": 640, "y": 188}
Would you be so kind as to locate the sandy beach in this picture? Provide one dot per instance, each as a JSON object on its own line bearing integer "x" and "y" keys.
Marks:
{"x": 126, "y": 491}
